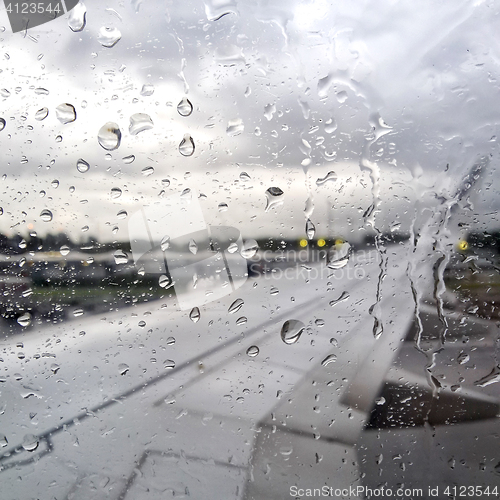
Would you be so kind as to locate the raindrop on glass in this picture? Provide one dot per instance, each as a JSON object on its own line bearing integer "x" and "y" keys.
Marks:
{"x": 244, "y": 176}
{"x": 184, "y": 108}
{"x": 64, "y": 250}
{"x": 109, "y": 136}
{"x": 66, "y": 113}
{"x": 147, "y": 171}
{"x": 186, "y": 147}
{"x": 193, "y": 247}
{"x": 116, "y": 192}
{"x": 24, "y": 319}
{"x": 241, "y": 321}
{"x": 310, "y": 229}
{"x": 82, "y": 166}
{"x": 164, "y": 281}
{"x": 46, "y": 215}
{"x": 120, "y": 257}
{"x": 123, "y": 368}
{"x": 463, "y": 358}
{"x": 194, "y": 315}
{"x": 235, "y": 306}
{"x": 41, "y": 114}
{"x": 330, "y": 176}
{"x": 2, "y": 124}
{"x": 165, "y": 243}
{"x": 147, "y": 90}
{"x": 291, "y": 331}
{"x": 169, "y": 364}
{"x": 275, "y": 197}
{"x": 331, "y": 358}
{"x": 77, "y": 17}
{"x": 252, "y": 351}
{"x": 128, "y": 159}
{"x": 249, "y": 249}
{"x": 109, "y": 37}
{"x": 140, "y": 122}
{"x": 235, "y": 127}
{"x": 30, "y": 442}
{"x": 339, "y": 255}
{"x": 122, "y": 214}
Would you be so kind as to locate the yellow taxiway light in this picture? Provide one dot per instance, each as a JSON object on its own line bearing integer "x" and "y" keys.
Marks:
{"x": 462, "y": 245}
{"x": 303, "y": 243}
{"x": 321, "y": 242}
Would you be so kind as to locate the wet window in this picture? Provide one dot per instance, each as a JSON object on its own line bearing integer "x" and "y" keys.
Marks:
{"x": 249, "y": 250}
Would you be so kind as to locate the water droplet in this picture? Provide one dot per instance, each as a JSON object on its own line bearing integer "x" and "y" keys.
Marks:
{"x": 235, "y": 127}
{"x": 319, "y": 322}
{"x": 235, "y": 306}
{"x": 241, "y": 321}
{"x": 186, "y": 147}
{"x": 380, "y": 401}
{"x": 232, "y": 248}
{"x": 147, "y": 90}
{"x": 120, "y": 257}
{"x": 275, "y": 197}
{"x": 491, "y": 378}
{"x": 194, "y": 315}
{"x": 54, "y": 367}
{"x": 215, "y": 9}
{"x": 123, "y": 368}
{"x": 331, "y": 358}
{"x": 3, "y": 439}
{"x": 82, "y": 166}
{"x": 41, "y": 91}
{"x": 165, "y": 243}
{"x": 249, "y": 249}
{"x": 66, "y": 113}
{"x": 222, "y": 207}
{"x": 244, "y": 176}
{"x": 169, "y": 364}
{"x": 274, "y": 291}
{"x": 463, "y": 358}
{"x": 55, "y": 183}
{"x": 269, "y": 111}
{"x": 109, "y": 37}
{"x": 64, "y": 250}
{"x": 330, "y": 176}
{"x": 78, "y": 312}
{"x": 5, "y": 93}
{"x": 24, "y": 319}
{"x": 252, "y": 351}
{"x": 109, "y": 136}
{"x": 164, "y": 281}
{"x": 30, "y": 442}
{"x": 46, "y": 215}
{"x": 122, "y": 214}
{"x": 116, "y": 192}
{"x": 310, "y": 229}
{"x": 2, "y": 124}
{"x": 184, "y": 108}
{"x": 41, "y": 114}
{"x": 171, "y": 341}
{"x": 128, "y": 159}
{"x": 291, "y": 331}
{"x": 344, "y": 296}
{"x": 147, "y": 171}
{"x": 139, "y": 122}
{"x": 339, "y": 255}
{"x": 77, "y": 17}
{"x": 193, "y": 247}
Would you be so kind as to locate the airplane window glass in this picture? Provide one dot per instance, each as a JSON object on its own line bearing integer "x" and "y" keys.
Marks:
{"x": 249, "y": 249}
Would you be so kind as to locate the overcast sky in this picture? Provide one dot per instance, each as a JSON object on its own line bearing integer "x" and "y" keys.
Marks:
{"x": 302, "y": 84}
